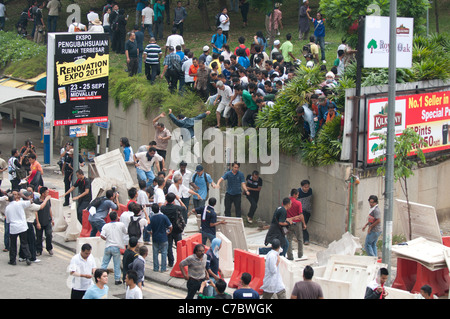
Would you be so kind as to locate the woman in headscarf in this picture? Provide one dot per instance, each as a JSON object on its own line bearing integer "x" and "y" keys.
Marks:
{"x": 212, "y": 265}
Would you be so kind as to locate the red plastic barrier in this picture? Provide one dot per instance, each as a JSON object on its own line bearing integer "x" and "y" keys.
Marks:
{"x": 438, "y": 280}
{"x": 53, "y": 193}
{"x": 406, "y": 274}
{"x": 251, "y": 263}
{"x": 122, "y": 208}
{"x": 411, "y": 276}
{"x": 446, "y": 241}
{"x": 86, "y": 225}
{"x": 185, "y": 247}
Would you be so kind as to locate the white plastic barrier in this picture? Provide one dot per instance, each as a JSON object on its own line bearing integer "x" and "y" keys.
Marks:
{"x": 58, "y": 215}
{"x": 226, "y": 255}
{"x": 98, "y": 247}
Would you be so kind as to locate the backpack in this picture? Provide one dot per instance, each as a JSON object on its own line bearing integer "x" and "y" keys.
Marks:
{"x": 30, "y": 13}
{"x": 217, "y": 17}
{"x": 106, "y": 7}
{"x": 76, "y": 27}
{"x": 206, "y": 181}
{"x": 307, "y": 49}
{"x": 134, "y": 229}
{"x": 96, "y": 202}
{"x": 179, "y": 224}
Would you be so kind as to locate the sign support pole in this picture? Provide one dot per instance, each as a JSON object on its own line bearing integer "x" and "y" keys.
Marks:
{"x": 390, "y": 151}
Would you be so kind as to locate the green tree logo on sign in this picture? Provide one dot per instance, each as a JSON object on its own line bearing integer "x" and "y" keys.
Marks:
{"x": 372, "y": 45}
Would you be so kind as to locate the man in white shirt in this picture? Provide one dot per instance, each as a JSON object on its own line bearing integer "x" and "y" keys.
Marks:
{"x": 134, "y": 213}
{"x": 145, "y": 161}
{"x": 76, "y": 26}
{"x": 272, "y": 282}
{"x": 96, "y": 26}
{"x": 276, "y": 49}
{"x": 142, "y": 197}
{"x": 133, "y": 290}
{"x": 186, "y": 175}
{"x": 159, "y": 197}
{"x": 18, "y": 226}
{"x": 54, "y": 7}
{"x": 113, "y": 233}
{"x": 92, "y": 16}
{"x": 185, "y": 66}
{"x": 225, "y": 23}
{"x": 223, "y": 91}
{"x": 81, "y": 268}
{"x": 173, "y": 40}
{"x": 179, "y": 189}
{"x": 147, "y": 19}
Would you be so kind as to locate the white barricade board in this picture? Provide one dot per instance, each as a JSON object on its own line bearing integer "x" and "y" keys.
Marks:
{"x": 428, "y": 253}
{"x": 233, "y": 230}
{"x": 226, "y": 255}
{"x": 98, "y": 247}
{"x": 424, "y": 222}
{"x": 357, "y": 270}
{"x": 112, "y": 165}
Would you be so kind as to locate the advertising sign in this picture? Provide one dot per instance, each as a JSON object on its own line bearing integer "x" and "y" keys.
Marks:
{"x": 428, "y": 114}
{"x": 81, "y": 78}
{"x": 78, "y": 130}
{"x": 376, "y": 42}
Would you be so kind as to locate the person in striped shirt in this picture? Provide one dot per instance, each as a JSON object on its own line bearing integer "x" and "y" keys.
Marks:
{"x": 152, "y": 55}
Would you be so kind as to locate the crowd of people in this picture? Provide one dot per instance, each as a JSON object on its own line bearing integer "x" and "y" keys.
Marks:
{"x": 239, "y": 82}
{"x": 235, "y": 83}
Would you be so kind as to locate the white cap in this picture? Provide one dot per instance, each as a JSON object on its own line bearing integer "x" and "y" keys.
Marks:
{"x": 205, "y": 48}
{"x": 310, "y": 64}
{"x": 276, "y": 42}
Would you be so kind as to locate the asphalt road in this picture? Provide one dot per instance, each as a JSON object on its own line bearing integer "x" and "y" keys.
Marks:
{"x": 49, "y": 279}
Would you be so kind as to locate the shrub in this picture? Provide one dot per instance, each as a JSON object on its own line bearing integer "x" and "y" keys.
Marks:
{"x": 15, "y": 48}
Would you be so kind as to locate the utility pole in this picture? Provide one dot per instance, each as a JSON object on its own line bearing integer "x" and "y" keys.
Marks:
{"x": 389, "y": 178}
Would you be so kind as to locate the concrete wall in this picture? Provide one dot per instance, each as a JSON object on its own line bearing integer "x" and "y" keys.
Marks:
{"x": 327, "y": 222}
{"x": 329, "y": 219}
{"x": 427, "y": 186}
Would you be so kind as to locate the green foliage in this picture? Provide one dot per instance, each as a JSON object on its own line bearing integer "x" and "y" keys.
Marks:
{"x": 326, "y": 148}
{"x": 283, "y": 116}
{"x": 88, "y": 142}
{"x": 341, "y": 14}
{"x": 16, "y": 48}
{"x": 431, "y": 57}
{"x": 406, "y": 143}
{"x": 29, "y": 68}
{"x": 415, "y": 9}
{"x": 125, "y": 90}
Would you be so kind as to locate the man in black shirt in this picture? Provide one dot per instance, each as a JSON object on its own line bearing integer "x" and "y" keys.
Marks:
{"x": 84, "y": 193}
{"x": 129, "y": 255}
{"x": 132, "y": 53}
{"x": 254, "y": 184}
{"x": 44, "y": 223}
{"x": 305, "y": 196}
{"x": 68, "y": 172}
{"x": 279, "y": 225}
{"x": 171, "y": 211}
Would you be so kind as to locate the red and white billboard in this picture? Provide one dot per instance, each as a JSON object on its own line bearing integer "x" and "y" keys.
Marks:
{"x": 428, "y": 114}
